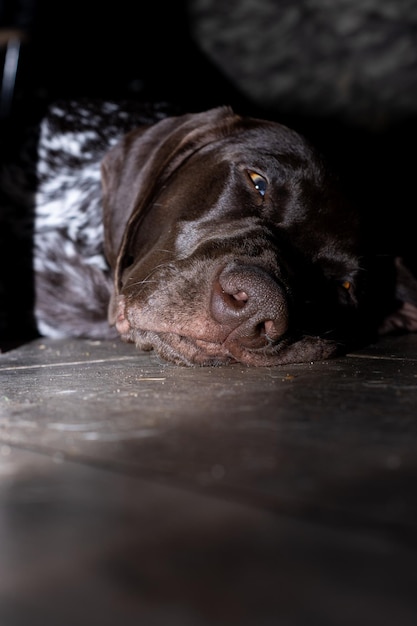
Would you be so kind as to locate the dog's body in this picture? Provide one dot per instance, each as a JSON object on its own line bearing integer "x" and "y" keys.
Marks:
{"x": 72, "y": 276}
{"x": 209, "y": 237}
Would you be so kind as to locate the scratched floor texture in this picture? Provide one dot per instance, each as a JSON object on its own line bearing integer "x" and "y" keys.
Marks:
{"x": 133, "y": 492}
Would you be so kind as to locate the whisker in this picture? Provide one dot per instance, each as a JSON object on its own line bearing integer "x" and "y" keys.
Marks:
{"x": 147, "y": 280}
{"x": 164, "y": 250}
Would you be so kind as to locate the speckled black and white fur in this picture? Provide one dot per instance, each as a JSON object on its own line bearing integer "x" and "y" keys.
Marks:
{"x": 72, "y": 279}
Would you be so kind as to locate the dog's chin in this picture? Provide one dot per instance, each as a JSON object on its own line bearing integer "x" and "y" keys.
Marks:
{"x": 186, "y": 351}
{"x": 182, "y": 350}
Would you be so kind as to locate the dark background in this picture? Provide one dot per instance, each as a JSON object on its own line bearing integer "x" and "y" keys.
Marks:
{"x": 342, "y": 73}
{"x": 116, "y": 50}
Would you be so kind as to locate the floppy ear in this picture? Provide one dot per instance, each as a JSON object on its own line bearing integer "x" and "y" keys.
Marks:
{"x": 116, "y": 193}
{"x": 136, "y": 168}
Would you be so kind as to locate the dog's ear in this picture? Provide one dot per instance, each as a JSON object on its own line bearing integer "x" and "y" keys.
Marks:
{"x": 117, "y": 192}
{"x": 136, "y": 168}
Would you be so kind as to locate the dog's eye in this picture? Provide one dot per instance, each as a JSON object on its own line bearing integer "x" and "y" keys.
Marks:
{"x": 347, "y": 291}
{"x": 259, "y": 182}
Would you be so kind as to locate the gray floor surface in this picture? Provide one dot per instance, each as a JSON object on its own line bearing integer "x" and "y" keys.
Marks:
{"x": 133, "y": 492}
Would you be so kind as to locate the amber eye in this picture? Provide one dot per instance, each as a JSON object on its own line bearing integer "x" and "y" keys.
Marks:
{"x": 259, "y": 182}
{"x": 346, "y": 285}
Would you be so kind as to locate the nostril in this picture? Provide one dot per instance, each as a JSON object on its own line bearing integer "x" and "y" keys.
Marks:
{"x": 269, "y": 330}
{"x": 274, "y": 329}
{"x": 227, "y": 305}
{"x": 241, "y": 296}
{"x": 235, "y": 301}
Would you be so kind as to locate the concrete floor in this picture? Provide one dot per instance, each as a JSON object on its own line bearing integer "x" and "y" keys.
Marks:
{"x": 138, "y": 493}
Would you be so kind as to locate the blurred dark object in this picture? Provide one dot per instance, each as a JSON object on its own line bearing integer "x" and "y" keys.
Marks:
{"x": 351, "y": 61}
{"x": 16, "y": 19}
{"x": 10, "y": 43}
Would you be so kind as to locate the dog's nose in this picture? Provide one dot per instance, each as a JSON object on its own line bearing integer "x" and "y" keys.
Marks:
{"x": 250, "y": 305}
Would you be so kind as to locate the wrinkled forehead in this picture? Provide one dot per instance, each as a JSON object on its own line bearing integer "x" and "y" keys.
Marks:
{"x": 269, "y": 145}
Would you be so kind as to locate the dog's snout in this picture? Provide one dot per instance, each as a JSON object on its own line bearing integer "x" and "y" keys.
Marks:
{"x": 250, "y": 305}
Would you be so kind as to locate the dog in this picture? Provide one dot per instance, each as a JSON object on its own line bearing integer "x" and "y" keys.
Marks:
{"x": 211, "y": 238}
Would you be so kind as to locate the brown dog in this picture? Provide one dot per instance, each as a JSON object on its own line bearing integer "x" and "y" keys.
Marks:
{"x": 225, "y": 239}
{"x": 228, "y": 242}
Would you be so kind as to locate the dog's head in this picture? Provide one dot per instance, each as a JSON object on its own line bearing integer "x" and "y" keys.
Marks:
{"x": 228, "y": 242}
